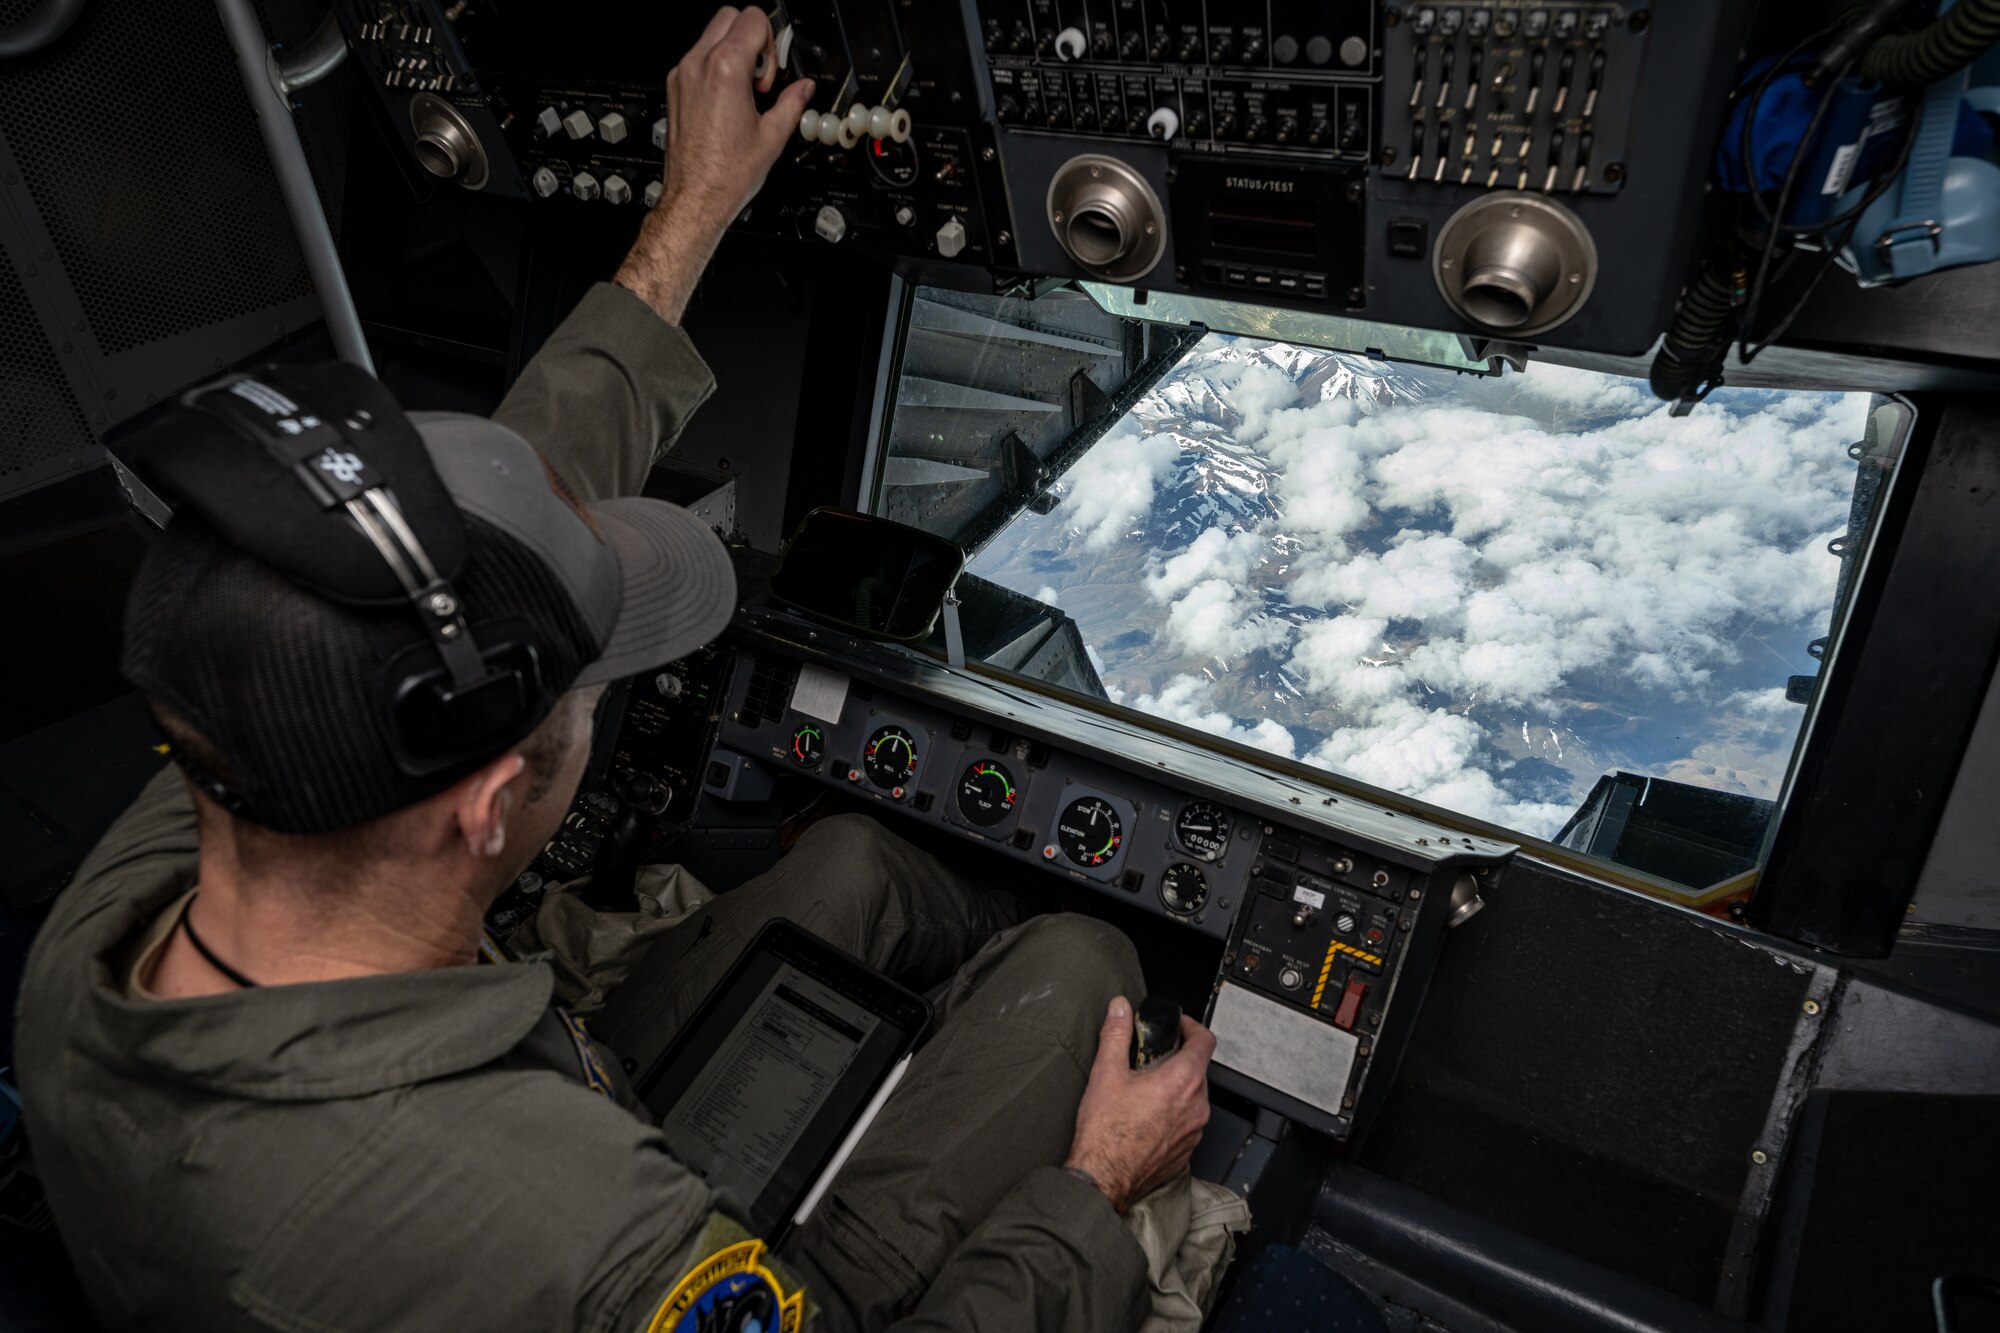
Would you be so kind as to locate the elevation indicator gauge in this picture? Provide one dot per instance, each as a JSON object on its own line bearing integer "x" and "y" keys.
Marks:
{"x": 891, "y": 758}
{"x": 986, "y": 794}
{"x": 1089, "y": 832}
{"x": 1203, "y": 829}
{"x": 808, "y": 747}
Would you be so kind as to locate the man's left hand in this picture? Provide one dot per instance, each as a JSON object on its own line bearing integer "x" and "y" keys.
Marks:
{"x": 719, "y": 149}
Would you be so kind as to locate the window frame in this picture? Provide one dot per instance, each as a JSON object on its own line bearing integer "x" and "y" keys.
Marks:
{"x": 1737, "y": 897}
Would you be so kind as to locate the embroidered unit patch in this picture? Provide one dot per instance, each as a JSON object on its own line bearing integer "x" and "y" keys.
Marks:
{"x": 731, "y": 1291}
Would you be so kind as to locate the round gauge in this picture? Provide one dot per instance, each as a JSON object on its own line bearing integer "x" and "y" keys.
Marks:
{"x": 808, "y": 747}
{"x": 891, "y": 759}
{"x": 1203, "y": 828}
{"x": 894, "y": 164}
{"x": 1184, "y": 889}
{"x": 1089, "y": 831}
{"x": 985, "y": 794}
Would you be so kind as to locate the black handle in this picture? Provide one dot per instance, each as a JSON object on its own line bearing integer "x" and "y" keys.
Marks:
{"x": 1156, "y": 1031}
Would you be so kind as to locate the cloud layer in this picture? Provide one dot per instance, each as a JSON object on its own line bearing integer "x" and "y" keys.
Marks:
{"x": 1476, "y": 593}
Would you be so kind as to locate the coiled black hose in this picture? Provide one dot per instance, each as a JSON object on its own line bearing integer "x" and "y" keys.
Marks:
{"x": 40, "y": 29}
{"x": 1699, "y": 334}
{"x": 1958, "y": 37}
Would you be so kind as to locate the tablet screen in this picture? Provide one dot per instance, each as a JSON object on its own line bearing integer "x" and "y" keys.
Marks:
{"x": 777, "y": 1065}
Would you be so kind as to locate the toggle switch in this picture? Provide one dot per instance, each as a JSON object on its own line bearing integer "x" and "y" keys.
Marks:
{"x": 1582, "y": 175}
{"x": 1564, "y": 72}
{"x": 1417, "y": 87}
{"x": 1595, "y": 86}
{"x": 1472, "y": 76}
{"x": 1444, "y": 77}
{"x": 1536, "y": 64}
{"x": 1350, "y": 1004}
{"x": 1555, "y": 161}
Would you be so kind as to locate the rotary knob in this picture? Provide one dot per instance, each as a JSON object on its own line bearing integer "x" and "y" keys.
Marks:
{"x": 544, "y": 182}
{"x": 579, "y": 125}
{"x": 1071, "y": 44}
{"x": 830, "y": 225}
{"x": 584, "y": 186}
{"x": 616, "y": 190}
{"x": 660, "y": 134}
{"x": 611, "y": 127}
{"x": 651, "y": 198}
{"x": 548, "y": 123}
{"x": 1163, "y": 124}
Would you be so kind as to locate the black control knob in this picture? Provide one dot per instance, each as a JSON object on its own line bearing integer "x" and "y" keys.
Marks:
{"x": 1159, "y": 46}
{"x": 1100, "y": 45}
{"x": 1317, "y": 131}
{"x": 1189, "y": 49}
{"x": 1129, "y": 48}
{"x": 991, "y": 37}
{"x": 1058, "y": 116}
{"x": 1086, "y": 117}
{"x": 1225, "y": 125}
{"x": 1220, "y": 47}
{"x": 1288, "y": 130}
{"x": 1253, "y": 50}
{"x": 1114, "y": 120}
{"x": 1021, "y": 39}
{"x": 1197, "y": 123}
{"x": 1009, "y": 110}
{"x": 1253, "y": 129}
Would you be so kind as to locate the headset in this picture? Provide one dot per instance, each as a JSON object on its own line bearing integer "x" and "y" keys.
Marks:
{"x": 463, "y": 701}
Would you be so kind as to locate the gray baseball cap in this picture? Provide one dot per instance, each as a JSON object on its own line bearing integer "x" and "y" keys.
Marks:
{"x": 270, "y": 620}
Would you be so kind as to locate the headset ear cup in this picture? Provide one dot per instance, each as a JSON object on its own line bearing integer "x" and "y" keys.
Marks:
{"x": 436, "y": 725}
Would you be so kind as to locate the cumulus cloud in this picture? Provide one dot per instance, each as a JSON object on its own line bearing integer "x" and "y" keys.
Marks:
{"x": 1113, "y": 484}
{"x": 1188, "y": 701}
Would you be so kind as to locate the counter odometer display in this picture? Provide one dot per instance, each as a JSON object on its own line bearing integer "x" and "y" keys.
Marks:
{"x": 1203, "y": 829}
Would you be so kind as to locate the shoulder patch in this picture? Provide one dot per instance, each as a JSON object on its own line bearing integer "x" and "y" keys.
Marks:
{"x": 595, "y": 1075}
{"x": 731, "y": 1291}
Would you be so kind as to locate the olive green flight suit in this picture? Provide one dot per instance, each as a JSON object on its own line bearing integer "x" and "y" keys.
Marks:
{"x": 448, "y": 1150}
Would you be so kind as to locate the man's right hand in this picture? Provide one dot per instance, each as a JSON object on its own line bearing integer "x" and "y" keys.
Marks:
{"x": 1137, "y": 1129}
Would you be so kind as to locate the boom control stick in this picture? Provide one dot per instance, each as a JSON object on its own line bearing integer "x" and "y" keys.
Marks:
{"x": 1156, "y": 1031}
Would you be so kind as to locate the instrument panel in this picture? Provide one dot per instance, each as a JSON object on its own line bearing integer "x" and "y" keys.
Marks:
{"x": 1493, "y": 169}
{"x": 1168, "y": 853}
{"x": 1324, "y": 943}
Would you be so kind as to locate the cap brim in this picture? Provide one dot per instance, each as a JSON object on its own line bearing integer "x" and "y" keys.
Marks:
{"x": 680, "y": 587}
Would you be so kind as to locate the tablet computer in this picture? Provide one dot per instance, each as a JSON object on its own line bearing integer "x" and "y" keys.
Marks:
{"x": 768, "y": 1087}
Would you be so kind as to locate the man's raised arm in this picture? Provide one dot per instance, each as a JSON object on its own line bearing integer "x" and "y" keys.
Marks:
{"x": 615, "y": 384}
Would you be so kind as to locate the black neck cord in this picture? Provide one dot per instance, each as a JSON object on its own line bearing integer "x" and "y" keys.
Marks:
{"x": 187, "y": 925}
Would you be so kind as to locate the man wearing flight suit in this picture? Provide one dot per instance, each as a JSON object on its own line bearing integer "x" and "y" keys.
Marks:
{"x": 267, "y": 1079}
